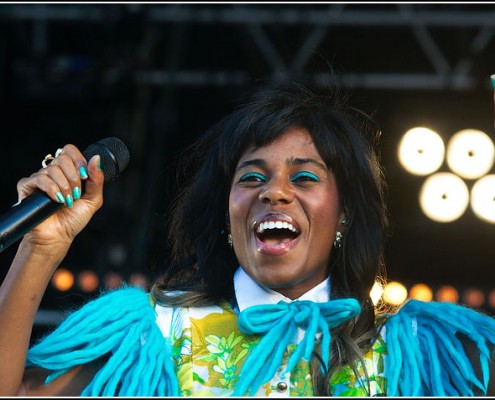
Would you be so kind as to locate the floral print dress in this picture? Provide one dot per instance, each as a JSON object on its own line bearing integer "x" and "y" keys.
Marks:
{"x": 209, "y": 351}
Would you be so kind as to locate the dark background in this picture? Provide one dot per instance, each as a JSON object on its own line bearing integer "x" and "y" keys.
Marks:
{"x": 158, "y": 75}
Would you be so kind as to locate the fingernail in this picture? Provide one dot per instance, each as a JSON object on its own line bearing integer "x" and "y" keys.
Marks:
{"x": 83, "y": 173}
{"x": 68, "y": 200}
{"x": 60, "y": 197}
{"x": 76, "y": 193}
{"x": 492, "y": 78}
{"x": 99, "y": 165}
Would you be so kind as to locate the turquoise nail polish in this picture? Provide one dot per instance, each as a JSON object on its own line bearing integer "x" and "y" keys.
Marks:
{"x": 68, "y": 200}
{"x": 99, "y": 165}
{"x": 83, "y": 173}
{"x": 76, "y": 192}
{"x": 60, "y": 197}
{"x": 492, "y": 78}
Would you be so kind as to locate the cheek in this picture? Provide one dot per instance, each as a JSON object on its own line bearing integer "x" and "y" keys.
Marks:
{"x": 238, "y": 213}
{"x": 237, "y": 210}
{"x": 325, "y": 214}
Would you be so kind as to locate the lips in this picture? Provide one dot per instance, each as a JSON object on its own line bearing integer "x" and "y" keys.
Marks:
{"x": 276, "y": 234}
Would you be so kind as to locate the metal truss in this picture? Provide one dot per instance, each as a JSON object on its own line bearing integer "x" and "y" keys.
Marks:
{"x": 430, "y": 30}
{"x": 443, "y": 73}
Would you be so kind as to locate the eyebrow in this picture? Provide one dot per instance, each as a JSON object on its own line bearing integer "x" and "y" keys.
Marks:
{"x": 301, "y": 161}
{"x": 290, "y": 161}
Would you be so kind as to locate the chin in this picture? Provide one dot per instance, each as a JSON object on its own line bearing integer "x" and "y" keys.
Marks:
{"x": 277, "y": 282}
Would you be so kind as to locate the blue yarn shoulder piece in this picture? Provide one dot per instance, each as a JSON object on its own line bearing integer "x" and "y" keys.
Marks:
{"x": 426, "y": 355}
{"x": 121, "y": 323}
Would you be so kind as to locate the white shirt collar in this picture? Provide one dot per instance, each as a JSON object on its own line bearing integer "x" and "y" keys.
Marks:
{"x": 249, "y": 293}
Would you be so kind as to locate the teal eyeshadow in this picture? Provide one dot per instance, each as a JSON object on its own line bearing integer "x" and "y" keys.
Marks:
{"x": 252, "y": 175}
{"x": 306, "y": 174}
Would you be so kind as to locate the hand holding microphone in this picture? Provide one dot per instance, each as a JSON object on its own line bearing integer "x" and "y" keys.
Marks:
{"x": 71, "y": 183}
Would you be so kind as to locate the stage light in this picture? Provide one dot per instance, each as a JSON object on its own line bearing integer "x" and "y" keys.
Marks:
{"x": 473, "y": 297}
{"x": 62, "y": 279}
{"x": 444, "y": 197}
{"x": 422, "y": 292}
{"x": 113, "y": 280}
{"x": 491, "y": 298}
{"x": 483, "y": 198}
{"x": 376, "y": 293}
{"x": 117, "y": 254}
{"x": 421, "y": 151}
{"x": 470, "y": 153}
{"x": 88, "y": 281}
{"x": 447, "y": 294}
{"x": 394, "y": 293}
{"x": 139, "y": 280}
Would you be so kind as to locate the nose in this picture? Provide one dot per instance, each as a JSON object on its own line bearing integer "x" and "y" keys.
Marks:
{"x": 277, "y": 191}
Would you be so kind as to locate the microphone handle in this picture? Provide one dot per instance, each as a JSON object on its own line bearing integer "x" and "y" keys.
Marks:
{"x": 23, "y": 217}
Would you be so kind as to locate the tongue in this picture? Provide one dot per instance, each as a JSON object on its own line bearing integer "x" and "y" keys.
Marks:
{"x": 275, "y": 246}
{"x": 272, "y": 241}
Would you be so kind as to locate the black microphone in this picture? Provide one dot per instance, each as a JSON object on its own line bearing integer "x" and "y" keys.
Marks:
{"x": 33, "y": 210}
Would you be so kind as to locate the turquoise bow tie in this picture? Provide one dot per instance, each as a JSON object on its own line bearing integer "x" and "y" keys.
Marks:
{"x": 278, "y": 323}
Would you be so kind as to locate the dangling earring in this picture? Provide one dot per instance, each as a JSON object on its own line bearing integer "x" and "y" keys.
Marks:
{"x": 338, "y": 239}
{"x": 227, "y": 224}
{"x": 339, "y": 236}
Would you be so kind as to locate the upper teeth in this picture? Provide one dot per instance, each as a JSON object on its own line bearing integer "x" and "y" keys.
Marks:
{"x": 276, "y": 225}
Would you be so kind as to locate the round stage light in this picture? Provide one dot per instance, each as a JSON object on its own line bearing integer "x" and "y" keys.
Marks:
{"x": 139, "y": 280}
{"x": 491, "y": 298}
{"x": 422, "y": 292}
{"x": 444, "y": 197}
{"x": 447, "y": 294}
{"x": 470, "y": 153}
{"x": 88, "y": 281}
{"x": 376, "y": 293}
{"x": 483, "y": 198}
{"x": 62, "y": 279}
{"x": 395, "y": 293}
{"x": 473, "y": 297}
{"x": 421, "y": 151}
{"x": 113, "y": 280}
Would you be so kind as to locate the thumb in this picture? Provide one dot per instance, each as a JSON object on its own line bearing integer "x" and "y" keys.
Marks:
{"x": 94, "y": 184}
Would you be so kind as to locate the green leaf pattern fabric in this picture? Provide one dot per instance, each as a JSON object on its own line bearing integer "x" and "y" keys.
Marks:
{"x": 209, "y": 351}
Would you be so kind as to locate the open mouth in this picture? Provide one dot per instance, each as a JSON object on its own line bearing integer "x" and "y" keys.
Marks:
{"x": 275, "y": 235}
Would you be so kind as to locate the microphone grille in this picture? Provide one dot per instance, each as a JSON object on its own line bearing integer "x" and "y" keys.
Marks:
{"x": 114, "y": 156}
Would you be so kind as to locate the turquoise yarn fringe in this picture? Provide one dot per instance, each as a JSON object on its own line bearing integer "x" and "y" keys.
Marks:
{"x": 425, "y": 355}
{"x": 122, "y": 323}
{"x": 278, "y": 324}
{"x": 427, "y": 358}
